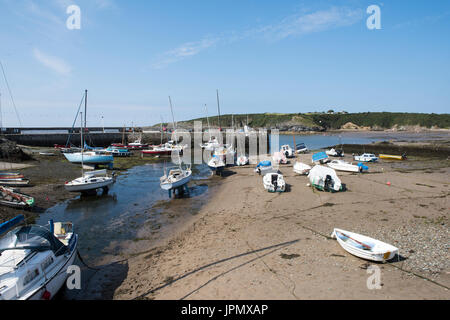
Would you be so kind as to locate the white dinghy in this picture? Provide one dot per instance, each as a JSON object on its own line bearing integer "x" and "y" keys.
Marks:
{"x": 279, "y": 158}
{"x": 274, "y": 182}
{"x": 301, "y": 168}
{"x": 325, "y": 179}
{"x": 364, "y": 247}
{"x": 34, "y": 259}
{"x": 342, "y": 165}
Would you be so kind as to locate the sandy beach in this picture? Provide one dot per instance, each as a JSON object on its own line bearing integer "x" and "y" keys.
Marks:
{"x": 246, "y": 243}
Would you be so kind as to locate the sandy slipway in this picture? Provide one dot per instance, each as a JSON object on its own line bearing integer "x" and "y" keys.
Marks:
{"x": 246, "y": 243}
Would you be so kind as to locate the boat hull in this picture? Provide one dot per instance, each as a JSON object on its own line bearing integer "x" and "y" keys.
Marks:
{"x": 381, "y": 252}
{"x": 88, "y": 186}
{"x": 55, "y": 283}
{"x": 88, "y": 158}
{"x": 391, "y": 157}
{"x": 177, "y": 184}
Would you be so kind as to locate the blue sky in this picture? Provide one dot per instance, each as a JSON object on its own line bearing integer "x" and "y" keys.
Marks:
{"x": 263, "y": 56}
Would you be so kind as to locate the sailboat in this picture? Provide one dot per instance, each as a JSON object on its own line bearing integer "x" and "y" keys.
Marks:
{"x": 88, "y": 157}
{"x": 34, "y": 259}
{"x": 89, "y": 181}
{"x": 176, "y": 177}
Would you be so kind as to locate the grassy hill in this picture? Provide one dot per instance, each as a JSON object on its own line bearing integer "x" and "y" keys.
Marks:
{"x": 327, "y": 121}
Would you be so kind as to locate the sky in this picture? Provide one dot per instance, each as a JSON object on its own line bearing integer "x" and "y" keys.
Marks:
{"x": 263, "y": 56}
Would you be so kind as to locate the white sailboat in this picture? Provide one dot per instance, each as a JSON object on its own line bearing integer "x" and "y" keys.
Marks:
{"x": 176, "y": 177}
{"x": 89, "y": 181}
{"x": 34, "y": 259}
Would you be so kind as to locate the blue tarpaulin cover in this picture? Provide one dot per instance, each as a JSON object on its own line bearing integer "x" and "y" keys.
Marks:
{"x": 319, "y": 156}
{"x": 266, "y": 163}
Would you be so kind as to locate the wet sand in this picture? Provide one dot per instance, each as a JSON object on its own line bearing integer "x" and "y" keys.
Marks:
{"x": 246, "y": 243}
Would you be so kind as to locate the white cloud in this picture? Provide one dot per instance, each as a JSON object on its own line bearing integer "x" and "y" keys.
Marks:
{"x": 184, "y": 51}
{"x": 292, "y": 26}
{"x": 58, "y": 65}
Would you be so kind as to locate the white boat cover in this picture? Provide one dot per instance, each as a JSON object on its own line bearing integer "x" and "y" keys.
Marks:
{"x": 318, "y": 175}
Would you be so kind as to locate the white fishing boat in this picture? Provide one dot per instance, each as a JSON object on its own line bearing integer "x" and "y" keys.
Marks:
{"x": 335, "y": 153}
{"x": 364, "y": 247}
{"x": 341, "y": 165}
{"x": 279, "y": 158}
{"x": 34, "y": 259}
{"x": 212, "y": 144}
{"x": 301, "y": 168}
{"x": 90, "y": 181}
{"x": 274, "y": 182}
{"x": 366, "y": 157}
{"x": 226, "y": 153}
{"x": 325, "y": 179}
{"x": 242, "y": 160}
{"x": 287, "y": 151}
{"x": 175, "y": 177}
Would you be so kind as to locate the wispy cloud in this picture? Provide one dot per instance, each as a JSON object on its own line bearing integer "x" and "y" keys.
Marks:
{"x": 293, "y": 26}
{"x": 56, "y": 64}
{"x": 184, "y": 51}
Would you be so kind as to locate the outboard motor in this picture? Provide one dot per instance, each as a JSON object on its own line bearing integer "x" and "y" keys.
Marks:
{"x": 328, "y": 183}
{"x": 275, "y": 182}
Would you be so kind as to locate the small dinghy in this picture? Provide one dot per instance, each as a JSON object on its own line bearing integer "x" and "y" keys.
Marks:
{"x": 242, "y": 161}
{"x": 274, "y": 182}
{"x": 325, "y": 179}
{"x": 264, "y": 167}
{"x": 301, "y": 168}
{"x": 90, "y": 181}
{"x": 34, "y": 259}
{"x": 175, "y": 178}
{"x": 280, "y": 158}
{"x": 364, "y": 247}
{"x": 342, "y": 165}
{"x": 366, "y": 157}
{"x": 19, "y": 182}
{"x": 11, "y": 198}
{"x": 301, "y": 148}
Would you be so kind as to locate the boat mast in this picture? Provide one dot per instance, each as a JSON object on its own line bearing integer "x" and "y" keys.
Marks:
{"x": 85, "y": 108}
{"x": 175, "y": 132}
{"x": 82, "y": 145}
{"x": 218, "y": 108}
{"x": 161, "y": 129}
{"x": 207, "y": 119}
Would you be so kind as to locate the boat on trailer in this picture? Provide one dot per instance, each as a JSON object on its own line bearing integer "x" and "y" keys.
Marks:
{"x": 34, "y": 259}
{"x": 364, "y": 247}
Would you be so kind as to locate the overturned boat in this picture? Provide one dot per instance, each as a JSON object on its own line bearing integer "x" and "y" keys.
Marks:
{"x": 301, "y": 168}
{"x": 392, "y": 157}
{"x": 264, "y": 167}
{"x": 274, "y": 182}
{"x": 364, "y": 247}
{"x": 325, "y": 179}
{"x": 335, "y": 152}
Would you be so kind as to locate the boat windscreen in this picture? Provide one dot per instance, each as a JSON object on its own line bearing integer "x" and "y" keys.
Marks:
{"x": 35, "y": 238}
